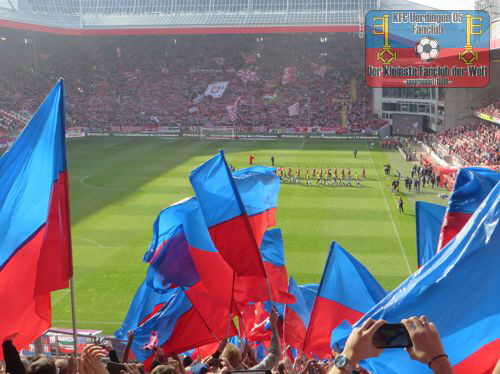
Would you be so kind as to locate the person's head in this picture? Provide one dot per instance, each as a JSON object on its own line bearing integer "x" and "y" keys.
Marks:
{"x": 281, "y": 367}
{"x": 62, "y": 365}
{"x": 233, "y": 355}
{"x": 43, "y": 365}
{"x": 187, "y": 361}
{"x": 164, "y": 369}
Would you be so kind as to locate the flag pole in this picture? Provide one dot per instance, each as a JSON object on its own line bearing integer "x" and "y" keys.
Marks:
{"x": 73, "y": 314}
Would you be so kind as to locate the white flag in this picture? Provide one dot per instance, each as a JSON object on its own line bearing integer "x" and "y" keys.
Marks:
{"x": 216, "y": 90}
{"x": 293, "y": 110}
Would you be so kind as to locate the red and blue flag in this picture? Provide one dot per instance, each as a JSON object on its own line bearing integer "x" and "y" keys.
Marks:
{"x": 183, "y": 254}
{"x": 181, "y": 326}
{"x": 35, "y": 239}
{"x": 273, "y": 257}
{"x": 472, "y": 185}
{"x": 145, "y": 304}
{"x": 259, "y": 187}
{"x": 347, "y": 291}
{"x": 228, "y": 222}
{"x": 429, "y": 220}
{"x": 457, "y": 290}
{"x": 297, "y": 316}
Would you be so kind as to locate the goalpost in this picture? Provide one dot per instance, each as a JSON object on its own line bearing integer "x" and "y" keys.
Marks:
{"x": 217, "y": 133}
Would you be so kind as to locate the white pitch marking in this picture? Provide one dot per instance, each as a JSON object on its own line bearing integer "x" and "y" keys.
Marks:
{"x": 99, "y": 245}
{"x": 390, "y": 213}
{"x": 83, "y": 183}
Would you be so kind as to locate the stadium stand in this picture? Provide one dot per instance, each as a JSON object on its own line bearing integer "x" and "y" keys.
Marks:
{"x": 111, "y": 82}
{"x": 475, "y": 143}
{"x": 490, "y": 107}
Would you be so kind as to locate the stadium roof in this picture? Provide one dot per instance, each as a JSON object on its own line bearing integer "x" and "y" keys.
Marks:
{"x": 184, "y": 16}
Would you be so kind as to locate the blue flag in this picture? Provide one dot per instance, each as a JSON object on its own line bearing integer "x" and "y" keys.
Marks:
{"x": 458, "y": 290}
{"x": 429, "y": 221}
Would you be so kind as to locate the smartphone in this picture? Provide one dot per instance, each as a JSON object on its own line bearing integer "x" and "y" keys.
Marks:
{"x": 392, "y": 335}
{"x": 114, "y": 367}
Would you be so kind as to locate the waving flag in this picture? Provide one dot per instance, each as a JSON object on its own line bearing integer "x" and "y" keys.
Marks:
{"x": 260, "y": 330}
{"x": 248, "y": 75}
{"x": 318, "y": 69}
{"x": 347, "y": 291}
{"x": 457, "y": 290}
{"x": 289, "y": 75}
{"x": 216, "y": 90}
{"x": 472, "y": 185}
{"x": 182, "y": 253}
{"x": 35, "y": 240}
{"x": 226, "y": 217}
{"x": 273, "y": 256}
{"x": 145, "y": 304}
{"x": 232, "y": 109}
{"x": 232, "y": 112}
{"x": 296, "y": 317}
{"x": 429, "y": 221}
{"x": 180, "y": 327}
{"x": 229, "y": 224}
{"x": 259, "y": 187}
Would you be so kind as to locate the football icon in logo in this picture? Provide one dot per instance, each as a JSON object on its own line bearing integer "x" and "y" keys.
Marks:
{"x": 427, "y": 48}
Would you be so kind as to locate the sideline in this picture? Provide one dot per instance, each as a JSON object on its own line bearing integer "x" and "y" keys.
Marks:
{"x": 390, "y": 213}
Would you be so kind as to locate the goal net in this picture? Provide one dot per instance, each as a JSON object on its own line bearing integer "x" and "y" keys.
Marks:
{"x": 217, "y": 133}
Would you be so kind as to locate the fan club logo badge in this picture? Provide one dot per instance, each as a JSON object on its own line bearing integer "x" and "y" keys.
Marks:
{"x": 414, "y": 48}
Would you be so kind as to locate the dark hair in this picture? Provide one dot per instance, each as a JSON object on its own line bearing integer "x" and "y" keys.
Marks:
{"x": 187, "y": 361}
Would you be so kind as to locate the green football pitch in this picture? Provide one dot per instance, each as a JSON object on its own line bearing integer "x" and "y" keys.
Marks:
{"x": 118, "y": 185}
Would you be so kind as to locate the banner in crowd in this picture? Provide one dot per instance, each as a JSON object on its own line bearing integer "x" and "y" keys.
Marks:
{"x": 217, "y": 89}
{"x": 248, "y": 75}
{"x": 74, "y": 132}
{"x": 318, "y": 69}
{"x": 232, "y": 109}
{"x": 488, "y": 117}
{"x": 293, "y": 110}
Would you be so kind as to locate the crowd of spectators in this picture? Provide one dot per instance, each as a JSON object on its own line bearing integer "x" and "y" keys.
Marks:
{"x": 153, "y": 80}
{"x": 477, "y": 143}
{"x": 426, "y": 347}
{"x": 490, "y": 107}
